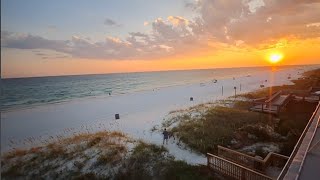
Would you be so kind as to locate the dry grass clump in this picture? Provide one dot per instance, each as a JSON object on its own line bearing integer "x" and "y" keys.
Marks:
{"x": 15, "y": 153}
{"x": 78, "y": 156}
{"x": 103, "y": 155}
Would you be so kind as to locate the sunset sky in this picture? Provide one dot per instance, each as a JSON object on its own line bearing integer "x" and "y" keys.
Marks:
{"x": 45, "y": 37}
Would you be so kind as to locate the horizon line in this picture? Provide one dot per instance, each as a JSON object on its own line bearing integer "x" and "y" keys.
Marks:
{"x": 89, "y": 74}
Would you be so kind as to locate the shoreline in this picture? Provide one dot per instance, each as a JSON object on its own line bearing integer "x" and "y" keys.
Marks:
{"x": 138, "y": 122}
{"x": 156, "y": 88}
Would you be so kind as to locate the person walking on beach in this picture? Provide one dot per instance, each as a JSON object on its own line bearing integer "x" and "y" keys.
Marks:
{"x": 165, "y": 136}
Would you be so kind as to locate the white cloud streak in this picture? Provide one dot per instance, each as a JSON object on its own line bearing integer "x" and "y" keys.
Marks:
{"x": 231, "y": 22}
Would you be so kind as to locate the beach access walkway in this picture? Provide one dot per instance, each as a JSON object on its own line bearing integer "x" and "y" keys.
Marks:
{"x": 280, "y": 99}
{"x": 272, "y": 105}
{"x": 237, "y": 165}
{"x": 304, "y": 161}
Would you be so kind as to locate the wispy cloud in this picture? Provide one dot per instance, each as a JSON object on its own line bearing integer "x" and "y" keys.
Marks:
{"x": 233, "y": 20}
{"x": 110, "y": 22}
{"x": 229, "y": 23}
{"x": 41, "y": 54}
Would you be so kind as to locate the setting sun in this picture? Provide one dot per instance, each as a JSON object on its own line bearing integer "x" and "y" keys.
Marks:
{"x": 275, "y": 57}
{"x": 99, "y": 91}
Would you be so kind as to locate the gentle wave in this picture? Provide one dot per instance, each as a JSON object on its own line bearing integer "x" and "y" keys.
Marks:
{"x": 25, "y": 92}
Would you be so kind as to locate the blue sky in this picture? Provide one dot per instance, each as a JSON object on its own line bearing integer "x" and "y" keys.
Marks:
{"x": 60, "y": 37}
{"x": 63, "y": 19}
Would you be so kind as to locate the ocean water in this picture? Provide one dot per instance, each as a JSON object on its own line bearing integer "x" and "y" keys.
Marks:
{"x": 27, "y": 92}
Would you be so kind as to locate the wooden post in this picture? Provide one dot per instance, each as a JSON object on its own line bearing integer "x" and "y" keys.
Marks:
{"x": 235, "y": 92}
{"x": 222, "y": 90}
{"x": 243, "y": 174}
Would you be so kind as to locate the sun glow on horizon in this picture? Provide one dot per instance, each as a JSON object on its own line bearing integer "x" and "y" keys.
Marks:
{"x": 275, "y": 58}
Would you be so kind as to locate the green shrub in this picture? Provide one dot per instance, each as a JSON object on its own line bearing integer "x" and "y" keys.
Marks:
{"x": 216, "y": 127}
{"x": 149, "y": 161}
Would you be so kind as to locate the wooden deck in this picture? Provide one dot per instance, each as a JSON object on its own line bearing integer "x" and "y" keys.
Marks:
{"x": 303, "y": 162}
{"x": 280, "y": 99}
{"x": 265, "y": 109}
{"x": 272, "y": 105}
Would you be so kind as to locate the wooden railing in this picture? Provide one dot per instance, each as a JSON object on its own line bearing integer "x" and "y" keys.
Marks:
{"x": 274, "y": 96}
{"x": 233, "y": 170}
{"x": 272, "y": 108}
{"x": 275, "y": 159}
{"x": 297, "y": 147}
{"x": 272, "y": 159}
{"x": 237, "y": 157}
{"x": 298, "y": 92}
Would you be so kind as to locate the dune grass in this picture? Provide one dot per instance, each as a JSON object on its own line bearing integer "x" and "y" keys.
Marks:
{"x": 67, "y": 158}
{"x": 215, "y": 127}
{"x": 101, "y": 155}
{"x": 218, "y": 125}
{"x": 149, "y": 161}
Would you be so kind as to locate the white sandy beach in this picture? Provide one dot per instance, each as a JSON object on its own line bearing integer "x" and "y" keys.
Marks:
{"x": 139, "y": 112}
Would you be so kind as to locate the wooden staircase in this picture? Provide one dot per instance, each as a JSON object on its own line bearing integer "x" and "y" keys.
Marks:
{"x": 236, "y": 165}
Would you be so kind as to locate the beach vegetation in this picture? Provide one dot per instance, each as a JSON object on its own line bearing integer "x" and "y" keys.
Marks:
{"x": 79, "y": 156}
{"x": 101, "y": 155}
{"x": 230, "y": 123}
{"x": 215, "y": 127}
{"x": 224, "y": 126}
{"x": 149, "y": 161}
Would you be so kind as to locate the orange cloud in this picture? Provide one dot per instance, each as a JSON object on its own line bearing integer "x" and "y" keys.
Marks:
{"x": 224, "y": 33}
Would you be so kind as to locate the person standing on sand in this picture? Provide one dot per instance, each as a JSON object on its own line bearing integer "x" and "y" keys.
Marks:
{"x": 165, "y": 136}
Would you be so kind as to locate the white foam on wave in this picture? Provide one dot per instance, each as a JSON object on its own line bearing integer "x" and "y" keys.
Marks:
{"x": 139, "y": 112}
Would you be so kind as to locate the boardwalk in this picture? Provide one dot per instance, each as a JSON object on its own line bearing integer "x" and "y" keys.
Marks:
{"x": 304, "y": 161}
{"x": 280, "y": 99}
{"x": 273, "y": 104}
{"x": 310, "y": 168}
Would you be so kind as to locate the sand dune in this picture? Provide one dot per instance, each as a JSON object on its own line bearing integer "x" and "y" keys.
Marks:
{"x": 139, "y": 112}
